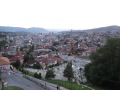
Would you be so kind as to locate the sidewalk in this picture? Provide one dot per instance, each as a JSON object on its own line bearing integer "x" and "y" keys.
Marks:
{"x": 44, "y": 84}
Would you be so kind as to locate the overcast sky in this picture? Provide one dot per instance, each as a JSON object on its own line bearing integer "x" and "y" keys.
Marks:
{"x": 59, "y": 14}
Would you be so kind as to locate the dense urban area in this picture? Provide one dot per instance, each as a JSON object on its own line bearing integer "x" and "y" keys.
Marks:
{"x": 51, "y": 58}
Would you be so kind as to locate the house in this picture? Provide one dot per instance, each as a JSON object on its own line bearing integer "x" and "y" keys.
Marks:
{"x": 4, "y": 63}
{"x": 45, "y": 62}
{"x": 13, "y": 59}
{"x": 30, "y": 63}
{"x": 16, "y": 58}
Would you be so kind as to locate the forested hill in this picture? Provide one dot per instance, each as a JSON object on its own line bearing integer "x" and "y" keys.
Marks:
{"x": 19, "y": 29}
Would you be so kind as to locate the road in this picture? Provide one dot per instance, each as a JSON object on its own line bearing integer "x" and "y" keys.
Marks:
{"x": 15, "y": 79}
{"x": 47, "y": 85}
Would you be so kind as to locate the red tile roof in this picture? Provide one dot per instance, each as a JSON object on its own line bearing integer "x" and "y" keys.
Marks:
{"x": 43, "y": 60}
{"x": 13, "y": 59}
{"x": 4, "y": 61}
{"x": 49, "y": 60}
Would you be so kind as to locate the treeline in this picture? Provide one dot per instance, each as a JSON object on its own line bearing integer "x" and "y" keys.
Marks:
{"x": 104, "y": 69}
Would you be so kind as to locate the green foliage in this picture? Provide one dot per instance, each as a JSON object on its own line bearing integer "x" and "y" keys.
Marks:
{"x": 27, "y": 57}
{"x": 54, "y": 65}
{"x": 68, "y": 72}
{"x": 2, "y": 44}
{"x": 31, "y": 48}
{"x": 49, "y": 74}
{"x": 21, "y": 48}
{"x": 37, "y": 66}
{"x": 55, "y": 49}
{"x": 70, "y": 85}
{"x": 26, "y": 72}
{"x": 37, "y": 75}
{"x": 16, "y": 64}
{"x": 104, "y": 68}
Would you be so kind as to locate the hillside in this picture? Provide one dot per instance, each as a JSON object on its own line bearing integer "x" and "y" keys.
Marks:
{"x": 19, "y": 29}
{"x": 104, "y": 29}
{"x": 100, "y": 29}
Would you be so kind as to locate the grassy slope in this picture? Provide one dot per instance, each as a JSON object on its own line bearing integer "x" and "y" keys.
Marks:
{"x": 69, "y": 85}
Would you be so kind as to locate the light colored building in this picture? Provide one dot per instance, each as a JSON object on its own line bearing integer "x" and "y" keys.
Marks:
{"x": 4, "y": 63}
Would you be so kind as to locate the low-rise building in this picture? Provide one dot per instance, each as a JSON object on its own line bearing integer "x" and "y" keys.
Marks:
{"x": 4, "y": 63}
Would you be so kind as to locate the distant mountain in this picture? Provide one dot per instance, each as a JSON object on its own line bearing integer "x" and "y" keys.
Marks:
{"x": 57, "y": 30}
{"x": 19, "y": 29}
{"x": 113, "y": 28}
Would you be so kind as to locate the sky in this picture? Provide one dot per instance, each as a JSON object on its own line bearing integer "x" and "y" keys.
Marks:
{"x": 60, "y": 14}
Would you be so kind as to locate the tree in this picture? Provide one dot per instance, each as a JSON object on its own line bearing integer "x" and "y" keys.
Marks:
{"x": 55, "y": 43}
{"x": 27, "y": 57}
{"x": 50, "y": 74}
{"x": 31, "y": 48}
{"x": 37, "y": 75}
{"x": 2, "y": 44}
{"x": 16, "y": 64}
{"x": 55, "y": 49}
{"x": 104, "y": 68}
{"x": 68, "y": 72}
{"x": 21, "y": 49}
{"x": 37, "y": 66}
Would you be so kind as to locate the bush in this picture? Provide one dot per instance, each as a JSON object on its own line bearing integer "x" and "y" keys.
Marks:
{"x": 24, "y": 71}
{"x": 50, "y": 74}
{"x": 40, "y": 76}
{"x": 36, "y": 75}
{"x": 54, "y": 65}
{"x": 37, "y": 66}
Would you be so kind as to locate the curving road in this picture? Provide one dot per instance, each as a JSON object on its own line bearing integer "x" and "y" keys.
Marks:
{"x": 15, "y": 79}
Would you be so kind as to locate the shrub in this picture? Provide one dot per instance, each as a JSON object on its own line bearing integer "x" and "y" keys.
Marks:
{"x": 36, "y": 75}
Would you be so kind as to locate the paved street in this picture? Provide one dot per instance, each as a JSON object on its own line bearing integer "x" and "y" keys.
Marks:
{"x": 47, "y": 85}
{"x": 17, "y": 80}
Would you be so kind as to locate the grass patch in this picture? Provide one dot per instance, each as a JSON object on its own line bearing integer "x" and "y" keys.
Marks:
{"x": 69, "y": 85}
{"x": 31, "y": 73}
{"x": 27, "y": 72}
{"x": 13, "y": 88}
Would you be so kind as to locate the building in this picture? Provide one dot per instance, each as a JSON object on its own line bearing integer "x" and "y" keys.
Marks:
{"x": 4, "y": 63}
